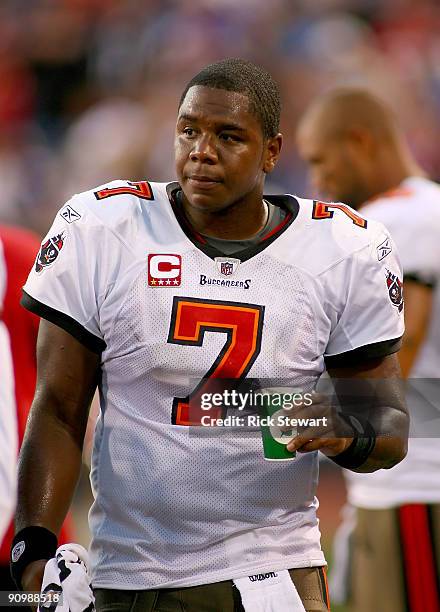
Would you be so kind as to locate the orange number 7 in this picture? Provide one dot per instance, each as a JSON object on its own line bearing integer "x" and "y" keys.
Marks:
{"x": 243, "y": 325}
{"x": 321, "y": 211}
{"x": 140, "y": 189}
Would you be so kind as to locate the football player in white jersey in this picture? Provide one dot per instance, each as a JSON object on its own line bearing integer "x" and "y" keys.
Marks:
{"x": 8, "y": 424}
{"x": 356, "y": 151}
{"x": 151, "y": 291}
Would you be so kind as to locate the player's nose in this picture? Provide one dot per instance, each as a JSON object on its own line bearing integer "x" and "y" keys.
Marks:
{"x": 204, "y": 150}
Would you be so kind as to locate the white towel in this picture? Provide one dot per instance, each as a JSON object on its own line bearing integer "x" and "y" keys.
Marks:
{"x": 67, "y": 574}
{"x": 269, "y": 592}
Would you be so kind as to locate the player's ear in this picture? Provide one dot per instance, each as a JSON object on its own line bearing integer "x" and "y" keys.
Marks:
{"x": 272, "y": 152}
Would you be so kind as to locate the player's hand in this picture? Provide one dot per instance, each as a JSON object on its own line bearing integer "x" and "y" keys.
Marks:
{"x": 328, "y": 446}
{"x": 32, "y": 578}
{"x": 331, "y": 435}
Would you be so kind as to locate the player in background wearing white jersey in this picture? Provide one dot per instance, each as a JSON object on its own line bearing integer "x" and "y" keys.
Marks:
{"x": 357, "y": 153}
{"x": 148, "y": 287}
{"x": 8, "y": 424}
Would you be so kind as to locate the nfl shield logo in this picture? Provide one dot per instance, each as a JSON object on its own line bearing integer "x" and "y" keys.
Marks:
{"x": 226, "y": 268}
{"x": 227, "y": 265}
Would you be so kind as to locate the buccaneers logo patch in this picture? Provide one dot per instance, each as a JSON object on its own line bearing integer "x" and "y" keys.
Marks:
{"x": 49, "y": 251}
{"x": 395, "y": 290}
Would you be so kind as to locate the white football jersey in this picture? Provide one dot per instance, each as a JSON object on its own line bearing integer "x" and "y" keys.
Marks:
{"x": 412, "y": 215}
{"x": 8, "y": 418}
{"x": 177, "y": 504}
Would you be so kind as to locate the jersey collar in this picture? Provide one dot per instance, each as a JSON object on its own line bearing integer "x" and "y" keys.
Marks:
{"x": 288, "y": 202}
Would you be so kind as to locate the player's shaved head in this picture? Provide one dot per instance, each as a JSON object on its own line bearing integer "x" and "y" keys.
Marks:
{"x": 249, "y": 79}
{"x": 347, "y": 108}
{"x": 354, "y": 147}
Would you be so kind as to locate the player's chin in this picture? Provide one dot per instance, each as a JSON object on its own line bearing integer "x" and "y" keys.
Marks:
{"x": 209, "y": 201}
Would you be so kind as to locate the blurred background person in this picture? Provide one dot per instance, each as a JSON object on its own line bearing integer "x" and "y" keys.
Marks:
{"x": 8, "y": 427}
{"x": 357, "y": 154}
{"x": 19, "y": 248}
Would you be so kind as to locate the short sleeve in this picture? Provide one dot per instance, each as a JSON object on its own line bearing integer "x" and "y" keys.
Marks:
{"x": 64, "y": 283}
{"x": 366, "y": 293}
{"x": 419, "y": 247}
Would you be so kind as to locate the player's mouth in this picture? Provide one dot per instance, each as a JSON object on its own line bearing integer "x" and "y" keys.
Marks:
{"x": 203, "y": 182}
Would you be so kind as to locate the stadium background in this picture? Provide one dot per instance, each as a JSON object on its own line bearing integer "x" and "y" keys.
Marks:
{"x": 89, "y": 91}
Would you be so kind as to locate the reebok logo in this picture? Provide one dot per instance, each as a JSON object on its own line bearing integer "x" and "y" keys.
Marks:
{"x": 384, "y": 249}
{"x": 69, "y": 214}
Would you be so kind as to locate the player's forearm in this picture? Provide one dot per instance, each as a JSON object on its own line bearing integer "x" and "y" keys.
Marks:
{"x": 391, "y": 443}
{"x": 49, "y": 467}
{"x": 387, "y": 453}
{"x": 380, "y": 439}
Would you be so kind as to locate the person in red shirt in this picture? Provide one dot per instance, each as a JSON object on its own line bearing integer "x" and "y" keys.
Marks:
{"x": 20, "y": 248}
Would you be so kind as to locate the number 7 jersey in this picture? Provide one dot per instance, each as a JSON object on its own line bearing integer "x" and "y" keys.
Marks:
{"x": 177, "y": 504}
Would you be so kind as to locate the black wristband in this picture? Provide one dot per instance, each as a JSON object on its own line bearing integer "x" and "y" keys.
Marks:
{"x": 31, "y": 544}
{"x": 359, "y": 450}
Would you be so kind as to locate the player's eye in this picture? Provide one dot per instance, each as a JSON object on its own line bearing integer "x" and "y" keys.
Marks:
{"x": 229, "y": 137}
{"x": 188, "y": 131}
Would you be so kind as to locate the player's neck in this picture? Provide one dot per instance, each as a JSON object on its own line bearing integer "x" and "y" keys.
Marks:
{"x": 391, "y": 172}
{"x": 237, "y": 222}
